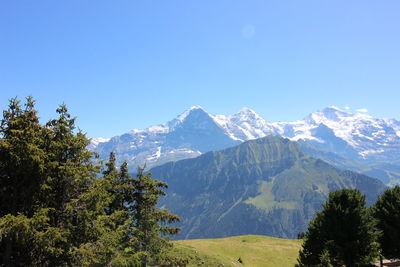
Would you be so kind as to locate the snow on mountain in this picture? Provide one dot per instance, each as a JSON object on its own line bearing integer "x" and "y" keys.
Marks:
{"x": 99, "y": 140}
{"x": 185, "y": 114}
{"x": 395, "y": 124}
{"x": 297, "y": 130}
{"x": 361, "y": 132}
{"x": 353, "y": 128}
{"x": 94, "y": 142}
{"x": 188, "y": 135}
{"x": 245, "y": 125}
{"x": 195, "y": 131}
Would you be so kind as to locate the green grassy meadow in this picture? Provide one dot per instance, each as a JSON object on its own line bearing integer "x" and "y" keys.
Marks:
{"x": 253, "y": 250}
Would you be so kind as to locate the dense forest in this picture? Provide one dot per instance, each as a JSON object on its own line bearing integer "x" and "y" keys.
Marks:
{"x": 60, "y": 206}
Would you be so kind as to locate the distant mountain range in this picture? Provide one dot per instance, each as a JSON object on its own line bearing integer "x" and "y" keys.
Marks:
{"x": 351, "y": 141}
{"x": 265, "y": 186}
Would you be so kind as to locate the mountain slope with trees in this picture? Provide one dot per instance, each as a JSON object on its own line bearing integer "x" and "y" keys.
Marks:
{"x": 266, "y": 186}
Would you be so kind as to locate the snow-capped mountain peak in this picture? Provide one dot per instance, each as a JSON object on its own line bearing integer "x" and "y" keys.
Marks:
{"x": 363, "y": 134}
{"x": 247, "y": 114}
{"x": 170, "y": 126}
{"x": 244, "y": 125}
{"x": 247, "y": 111}
{"x": 331, "y": 113}
{"x": 193, "y": 115}
{"x": 195, "y": 131}
{"x": 187, "y": 112}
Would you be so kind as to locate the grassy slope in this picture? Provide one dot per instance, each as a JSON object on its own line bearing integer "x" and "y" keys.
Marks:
{"x": 254, "y": 251}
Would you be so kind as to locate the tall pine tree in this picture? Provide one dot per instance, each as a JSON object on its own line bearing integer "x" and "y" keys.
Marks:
{"x": 387, "y": 211}
{"x": 151, "y": 221}
{"x": 70, "y": 177}
{"x": 342, "y": 234}
{"x": 45, "y": 173}
{"x": 22, "y": 165}
{"x": 22, "y": 158}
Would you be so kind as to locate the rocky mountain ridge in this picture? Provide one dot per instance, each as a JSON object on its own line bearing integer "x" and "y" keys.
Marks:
{"x": 356, "y": 136}
{"x": 267, "y": 186}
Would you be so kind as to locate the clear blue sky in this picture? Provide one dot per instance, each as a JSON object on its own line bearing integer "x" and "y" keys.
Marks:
{"x": 120, "y": 65}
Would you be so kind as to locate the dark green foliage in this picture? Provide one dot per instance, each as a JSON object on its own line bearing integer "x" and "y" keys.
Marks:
{"x": 150, "y": 221}
{"x": 116, "y": 183}
{"x": 46, "y": 174}
{"x": 387, "y": 211}
{"x": 22, "y": 174}
{"x": 22, "y": 158}
{"x": 54, "y": 208}
{"x": 70, "y": 178}
{"x": 342, "y": 234}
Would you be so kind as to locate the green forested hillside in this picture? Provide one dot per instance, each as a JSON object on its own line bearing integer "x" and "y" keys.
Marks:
{"x": 266, "y": 186}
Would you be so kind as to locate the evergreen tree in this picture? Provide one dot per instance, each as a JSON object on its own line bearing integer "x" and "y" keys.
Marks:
{"x": 124, "y": 191}
{"x": 45, "y": 173}
{"x": 70, "y": 178}
{"x": 110, "y": 175}
{"x": 119, "y": 189}
{"x": 342, "y": 234}
{"x": 107, "y": 229}
{"x": 22, "y": 160}
{"x": 151, "y": 222}
{"x": 387, "y": 211}
{"x": 55, "y": 210}
{"x": 121, "y": 185}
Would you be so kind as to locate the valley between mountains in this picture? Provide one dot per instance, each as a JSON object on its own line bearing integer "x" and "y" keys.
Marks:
{"x": 240, "y": 174}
